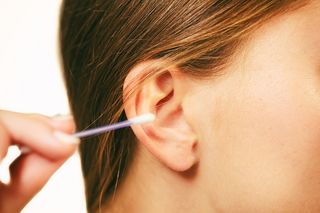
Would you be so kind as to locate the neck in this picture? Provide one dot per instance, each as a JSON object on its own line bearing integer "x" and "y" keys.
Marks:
{"x": 152, "y": 187}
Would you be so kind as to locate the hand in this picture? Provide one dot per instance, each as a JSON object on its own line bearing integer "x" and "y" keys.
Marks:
{"x": 50, "y": 147}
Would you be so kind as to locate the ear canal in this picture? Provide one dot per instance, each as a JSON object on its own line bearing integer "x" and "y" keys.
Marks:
{"x": 164, "y": 100}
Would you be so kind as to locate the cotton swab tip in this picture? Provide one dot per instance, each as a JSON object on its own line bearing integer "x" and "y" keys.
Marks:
{"x": 149, "y": 117}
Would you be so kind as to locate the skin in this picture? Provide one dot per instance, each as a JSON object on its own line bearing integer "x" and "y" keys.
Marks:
{"x": 257, "y": 127}
{"x": 265, "y": 138}
{"x": 31, "y": 170}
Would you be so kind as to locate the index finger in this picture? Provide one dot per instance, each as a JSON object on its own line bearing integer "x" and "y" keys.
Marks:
{"x": 38, "y": 135}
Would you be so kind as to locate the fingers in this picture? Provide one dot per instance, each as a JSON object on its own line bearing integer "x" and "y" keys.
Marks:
{"x": 42, "y": 135}
{"x": 29, "y": 173}
{"x": 62, "y": 122}
{"x": 50, "y": 143}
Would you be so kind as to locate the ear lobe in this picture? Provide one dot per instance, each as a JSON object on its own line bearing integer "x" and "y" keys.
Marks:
{"x": 169, "y": 138}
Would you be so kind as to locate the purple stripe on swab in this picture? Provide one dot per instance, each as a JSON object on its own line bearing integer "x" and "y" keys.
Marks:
{"x": 103, "y": 129}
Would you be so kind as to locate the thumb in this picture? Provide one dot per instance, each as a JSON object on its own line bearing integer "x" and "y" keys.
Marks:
{"x": 29, "y": 174}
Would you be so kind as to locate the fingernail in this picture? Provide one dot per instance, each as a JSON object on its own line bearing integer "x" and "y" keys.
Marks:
{"x": 25, "y": 150}
{"x": 65, "y": 138}
{"x": 62, "y": 117}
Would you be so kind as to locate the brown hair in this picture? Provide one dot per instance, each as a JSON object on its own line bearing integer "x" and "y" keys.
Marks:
{"x": 102, "y": 40}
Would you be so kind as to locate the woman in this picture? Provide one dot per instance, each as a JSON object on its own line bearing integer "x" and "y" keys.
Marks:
{"x": 236, "y": 91}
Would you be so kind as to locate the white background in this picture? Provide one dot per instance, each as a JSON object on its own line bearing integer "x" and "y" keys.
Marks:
{"x": 30, "y": 81}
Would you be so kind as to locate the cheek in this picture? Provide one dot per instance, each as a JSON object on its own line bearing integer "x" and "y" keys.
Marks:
{"x": 266, "y": 145}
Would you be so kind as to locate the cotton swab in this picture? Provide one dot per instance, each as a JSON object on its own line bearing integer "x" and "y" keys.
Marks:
{"x": 145, "y": 118}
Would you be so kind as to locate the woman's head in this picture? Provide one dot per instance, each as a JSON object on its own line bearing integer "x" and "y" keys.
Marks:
{"x": 234, "y": 86}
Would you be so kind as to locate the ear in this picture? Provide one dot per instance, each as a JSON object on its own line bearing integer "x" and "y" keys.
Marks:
{"x": 169, "y": 138}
